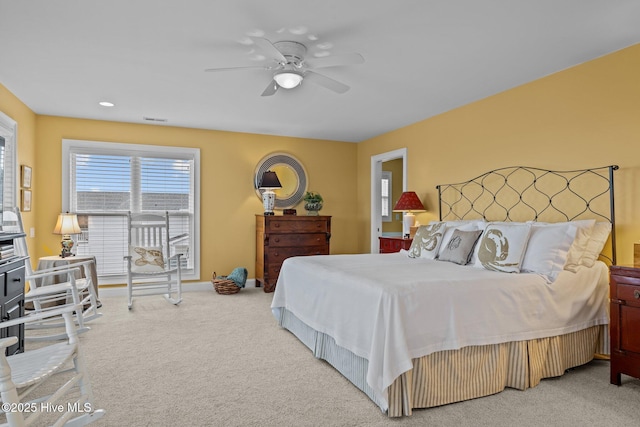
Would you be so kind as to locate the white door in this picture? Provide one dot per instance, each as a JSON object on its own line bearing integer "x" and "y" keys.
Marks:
{"x": 376, "y": 198}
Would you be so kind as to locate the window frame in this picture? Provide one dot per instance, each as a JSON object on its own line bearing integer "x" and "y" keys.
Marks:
{"x": 70, "y": 146}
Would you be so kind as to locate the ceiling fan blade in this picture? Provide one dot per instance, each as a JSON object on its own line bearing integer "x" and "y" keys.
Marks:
{"x": 249, "y": 67}
{"x": 269, "y": 49}
{"x": 325, "y": 81}
{"x": 271, "y": 89}
{"x": 335, "y": 60}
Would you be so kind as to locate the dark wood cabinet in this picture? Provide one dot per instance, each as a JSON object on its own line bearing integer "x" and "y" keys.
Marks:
{"x": 394, "y": 244}
{"x": 279, "y": 237}
{"x": 624, "y": 327}
{"x": 12, "y": 295}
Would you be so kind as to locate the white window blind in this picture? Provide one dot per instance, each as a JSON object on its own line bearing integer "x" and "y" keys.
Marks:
{"x": 9, "y": 172}
{"x": 106, "y": 180}
{"x": 386, "y": 195}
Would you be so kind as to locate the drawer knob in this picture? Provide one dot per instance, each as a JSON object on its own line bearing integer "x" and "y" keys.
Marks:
{"x": 636, "y": 294}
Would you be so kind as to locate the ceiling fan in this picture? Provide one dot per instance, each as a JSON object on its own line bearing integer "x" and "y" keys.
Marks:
{"x": 290, "y": 66}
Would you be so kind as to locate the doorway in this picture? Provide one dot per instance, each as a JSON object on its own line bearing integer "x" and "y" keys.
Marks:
{"x": 376, "y": 190}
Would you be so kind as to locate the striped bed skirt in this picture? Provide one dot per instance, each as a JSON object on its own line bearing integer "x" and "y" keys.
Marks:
{"x": 456, "y": 375}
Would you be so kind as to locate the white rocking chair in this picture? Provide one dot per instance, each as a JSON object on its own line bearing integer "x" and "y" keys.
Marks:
{"x": 22, "y": 374}
{"x": 69, "y": 288}
{"x": 151, "y": 270}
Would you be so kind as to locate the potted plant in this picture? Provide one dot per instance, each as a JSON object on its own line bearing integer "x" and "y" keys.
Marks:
{"x": 312, "y": 202}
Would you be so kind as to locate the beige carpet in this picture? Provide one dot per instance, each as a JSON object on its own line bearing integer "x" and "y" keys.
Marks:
{"x": 221, "y": 360}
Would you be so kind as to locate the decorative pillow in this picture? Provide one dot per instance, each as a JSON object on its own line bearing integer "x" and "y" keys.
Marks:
{"x": 146, "y": 259}
{"x": 502, "y": 246}
{"x": 458, "y": 225}
{"x": 427, "y": 241}
{"x": 548, "y": 247}
{"x": 585, "y": 227}
{"x": 596, "y": 242}
{"x": 459, "y": 247}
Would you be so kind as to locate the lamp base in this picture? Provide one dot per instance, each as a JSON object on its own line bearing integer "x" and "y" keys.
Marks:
{"x": 67, "y": 244}
{"x": 268, "y": 201}
{"x": 408, "y": 221}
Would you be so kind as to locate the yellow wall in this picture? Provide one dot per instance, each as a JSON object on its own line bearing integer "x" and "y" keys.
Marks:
{"x": 585, "y": 116}
{"x": 228, "y": 160}
{"x": 26, "y": 120}
{"x": 228, "y": 199}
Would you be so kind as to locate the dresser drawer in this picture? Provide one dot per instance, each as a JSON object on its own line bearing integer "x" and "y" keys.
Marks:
{"x": 393, "y": 244}
{"x": 629, "y": 294}
{"x": 273, "y": 270}
{"x": 14, "y": 285}
{"x": 627, "y": 289}
{"x": 305, "y": 226}
{"x": 306, "y": 239}
{"x": 277, "y": 255}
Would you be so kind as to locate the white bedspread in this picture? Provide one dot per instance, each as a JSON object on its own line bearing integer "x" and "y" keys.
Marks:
{"x": 388, "y": 308}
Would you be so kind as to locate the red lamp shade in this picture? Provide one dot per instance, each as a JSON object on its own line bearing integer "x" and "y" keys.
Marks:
{"x": 408, "y": 202}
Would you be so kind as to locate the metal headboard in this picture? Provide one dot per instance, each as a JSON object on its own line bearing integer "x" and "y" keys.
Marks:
{"x": 520, "y": 193}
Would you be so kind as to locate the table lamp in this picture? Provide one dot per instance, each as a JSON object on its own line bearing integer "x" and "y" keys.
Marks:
{"x": 408, "y": 203}
{"x": 269, "y": 182}
{"x": 67, "y": 225}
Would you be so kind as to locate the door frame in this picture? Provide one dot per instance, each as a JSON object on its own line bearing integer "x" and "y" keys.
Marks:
{"x": 376, "y": 198}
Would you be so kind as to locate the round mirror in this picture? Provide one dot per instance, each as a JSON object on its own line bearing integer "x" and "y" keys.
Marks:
{"x": 291, "y": 175}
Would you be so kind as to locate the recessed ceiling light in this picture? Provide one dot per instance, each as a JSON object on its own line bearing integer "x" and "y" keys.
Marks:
{"x": 106, "y": 104}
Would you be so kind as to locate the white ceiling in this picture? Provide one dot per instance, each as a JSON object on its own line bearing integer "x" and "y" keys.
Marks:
{"x": 422, "y": 57}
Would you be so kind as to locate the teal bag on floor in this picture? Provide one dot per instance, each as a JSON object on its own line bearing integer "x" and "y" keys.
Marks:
{"x": 238, "y": 275}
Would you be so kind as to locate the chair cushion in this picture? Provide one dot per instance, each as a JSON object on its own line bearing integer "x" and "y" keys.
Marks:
{"x": 146, "y": 259}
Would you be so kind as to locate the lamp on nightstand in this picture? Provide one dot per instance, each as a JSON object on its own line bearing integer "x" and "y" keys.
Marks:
{"x": 408, "y": 203}
{"x": 67, "y": 225}
{"x": 268, "y": 183}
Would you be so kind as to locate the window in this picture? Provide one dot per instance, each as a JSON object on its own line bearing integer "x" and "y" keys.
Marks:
{"x": 386, "y": 196}
{"x": 103, "y": 181}
{"x": 9, "y": 174}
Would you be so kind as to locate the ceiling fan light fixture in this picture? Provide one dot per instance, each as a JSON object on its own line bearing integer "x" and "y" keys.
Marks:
{"x": 288, "y": 79}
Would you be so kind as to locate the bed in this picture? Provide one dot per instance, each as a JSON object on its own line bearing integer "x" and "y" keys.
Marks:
{"x": 508, "y": 287}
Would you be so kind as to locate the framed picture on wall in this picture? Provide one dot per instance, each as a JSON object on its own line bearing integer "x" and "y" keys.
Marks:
{"x": 26, "y": 176}
{"x": 26, "y": 200}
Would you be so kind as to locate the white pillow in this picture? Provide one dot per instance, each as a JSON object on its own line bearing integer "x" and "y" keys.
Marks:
{"x": 146, "y": 259}
{"x": 585, "y": 227}
{"x": 502, "y": 246}
{"x": 596, "y": 242}
{"x": 547, "y": 249}
{"x": 427, "y": 241}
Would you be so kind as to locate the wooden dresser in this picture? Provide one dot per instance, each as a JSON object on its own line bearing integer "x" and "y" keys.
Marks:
{"x": 394, "y": 244}
{"x": 624, "y": 326}
{"x": 12, "y": 296}
{"x": 279, "y": 237}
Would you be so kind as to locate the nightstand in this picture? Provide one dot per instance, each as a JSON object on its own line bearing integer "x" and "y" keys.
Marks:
{"x": 394, "y": 244}
{"x": 624, "y": 327}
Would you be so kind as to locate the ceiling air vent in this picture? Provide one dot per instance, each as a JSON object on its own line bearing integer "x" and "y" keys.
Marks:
{"x": 153, "y": 119}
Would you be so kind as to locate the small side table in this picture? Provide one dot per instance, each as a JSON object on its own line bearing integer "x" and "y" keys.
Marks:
{"x": 624, "y": 327}
{"x": 56, "y": 260}
{"x": 394, "y": 244}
